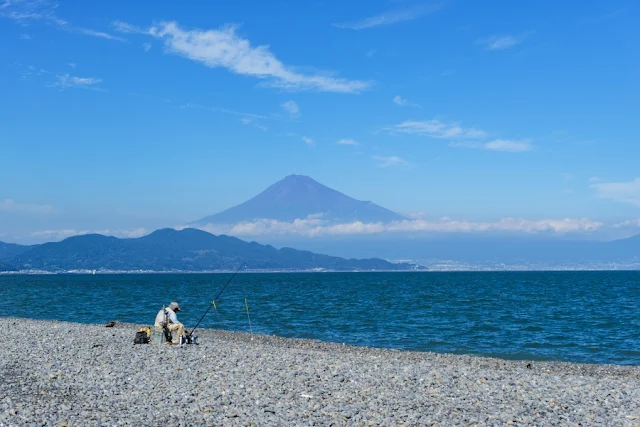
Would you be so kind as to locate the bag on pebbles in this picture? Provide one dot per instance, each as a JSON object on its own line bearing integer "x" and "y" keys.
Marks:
{"x": 142, "y": 336}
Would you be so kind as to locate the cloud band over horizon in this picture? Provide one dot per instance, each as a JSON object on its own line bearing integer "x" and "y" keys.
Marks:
{"x": 314, "y": 226}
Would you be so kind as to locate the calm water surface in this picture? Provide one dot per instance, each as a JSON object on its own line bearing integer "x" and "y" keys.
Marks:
{"x": 568, "y": 316}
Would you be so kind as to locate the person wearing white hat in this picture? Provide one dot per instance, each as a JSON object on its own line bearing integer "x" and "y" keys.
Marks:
{"x": 168, "y": 315}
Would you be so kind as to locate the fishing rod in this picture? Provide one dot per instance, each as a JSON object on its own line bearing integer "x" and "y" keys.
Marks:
{"x": 219, "y": 293}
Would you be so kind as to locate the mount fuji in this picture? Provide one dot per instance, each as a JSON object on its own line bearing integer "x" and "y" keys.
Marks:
{"x": 299, "y": 197}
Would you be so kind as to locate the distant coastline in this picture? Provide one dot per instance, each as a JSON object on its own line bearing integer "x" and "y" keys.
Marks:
{"x": 224, "y": 271}
{"x": 477, "y": 269}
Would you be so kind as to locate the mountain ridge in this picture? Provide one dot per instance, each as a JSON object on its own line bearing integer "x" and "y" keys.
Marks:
{"x": 181, "y": 250}
{"x": 196, "y": 247}
{"x": 9, "y": 250}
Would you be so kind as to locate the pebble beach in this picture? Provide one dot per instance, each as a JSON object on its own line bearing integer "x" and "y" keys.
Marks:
{"x": 70, "y": 374}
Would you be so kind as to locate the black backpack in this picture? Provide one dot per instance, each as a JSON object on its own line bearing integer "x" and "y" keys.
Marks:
{"x": 141, "y": 338}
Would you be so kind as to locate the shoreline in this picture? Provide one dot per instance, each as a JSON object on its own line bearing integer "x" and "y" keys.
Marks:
{"x": 563, "y": 365}
{"x": 293, "y": 342}
{"x": 427, "y": 270}
{"x": 57, "y": 372}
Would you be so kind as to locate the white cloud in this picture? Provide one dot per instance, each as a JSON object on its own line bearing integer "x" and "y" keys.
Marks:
{"x": 314, "y": 227}
{"x": 64, "y": 233}
{"x": 414, "y": 215}
{"x": 625, "y": 192}
{"x": 124, "y": 27}
{"x": 30, "y": 71}
{"x": 348, "y": 141}
{"x": 466, "y": 144}
{"x": 22, "y": 11}
{"x": 55, "y": 234}
{"x": 437, "y": 129}
{"x": 630, "y": 223}
{"x": 507, "y": 145}
{"x": 595, "y": 179}
{"x": 66, "y": 81}
{"x": 100, "y": 34}
{"x": 499, "y": 42}
{"x": 221, "y": 110}
{"x": 224, "y": 48}
{"x": 385, "y": 162}
{"x": 398, "y": 100}
{"x": 26, "y": 36}
{"x": 496, "y": 145}
{"x": 390, "y": 17}
{"x": 249, "y": 122}
{"x": 308, "y": 141}
{"x": 10, "y": 206}
{"x": 291, "y": 108}
{"x": 72, "y": 65}
{"x": 146, "y": 46}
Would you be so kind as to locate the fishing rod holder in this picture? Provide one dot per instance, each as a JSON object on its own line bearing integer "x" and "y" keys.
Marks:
{"x": 189, "y": 339}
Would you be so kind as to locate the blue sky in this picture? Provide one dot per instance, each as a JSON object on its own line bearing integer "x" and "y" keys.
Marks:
{"x": 121, "y": 118}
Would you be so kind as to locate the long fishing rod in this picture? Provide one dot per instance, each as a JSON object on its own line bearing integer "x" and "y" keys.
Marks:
{"x": 219, "y": 293}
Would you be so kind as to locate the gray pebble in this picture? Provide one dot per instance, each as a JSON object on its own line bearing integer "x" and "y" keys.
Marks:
{"x": 72, "y": 374}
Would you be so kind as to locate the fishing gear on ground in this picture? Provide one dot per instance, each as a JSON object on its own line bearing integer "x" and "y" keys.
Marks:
{"x": 143, "y": 336}
{"x": 162, "y": 332}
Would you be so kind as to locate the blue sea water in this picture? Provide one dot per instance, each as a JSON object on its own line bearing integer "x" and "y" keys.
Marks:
{"x": 566, "y": 316}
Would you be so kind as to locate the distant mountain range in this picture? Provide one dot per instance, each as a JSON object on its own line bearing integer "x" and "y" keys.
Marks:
{"x": 298, "y": 197}
{"x": 9, "y": 250}
{"x": 173, "y": 250}
{"x": 482, "y": 250}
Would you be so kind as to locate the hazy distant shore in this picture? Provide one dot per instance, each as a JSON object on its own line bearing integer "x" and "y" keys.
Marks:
{"x": 430, "y": 269}
{"x": 59, "y": 372}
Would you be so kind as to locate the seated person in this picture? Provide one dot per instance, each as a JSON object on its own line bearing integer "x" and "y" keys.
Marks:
{"x": 173, "y": 325}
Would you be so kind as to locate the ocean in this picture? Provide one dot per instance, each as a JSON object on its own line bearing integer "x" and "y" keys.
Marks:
{"x": 591, "y": 317}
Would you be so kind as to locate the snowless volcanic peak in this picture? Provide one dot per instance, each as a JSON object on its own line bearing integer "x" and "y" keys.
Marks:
{"x": 298, "y": 197}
